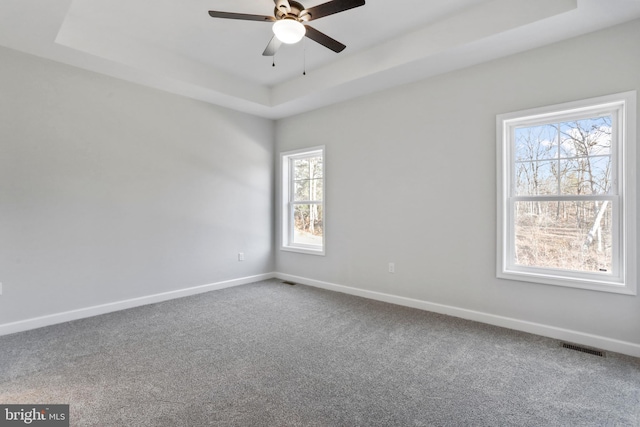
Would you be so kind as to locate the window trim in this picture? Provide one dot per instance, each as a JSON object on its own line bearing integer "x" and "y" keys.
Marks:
{"x": 286, "y": 211}
{"x": 624, "y": 201}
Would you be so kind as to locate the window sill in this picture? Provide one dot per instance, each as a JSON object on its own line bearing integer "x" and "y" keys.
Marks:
{"x": 591, "y": 284}
{"x": 303, "y": 250}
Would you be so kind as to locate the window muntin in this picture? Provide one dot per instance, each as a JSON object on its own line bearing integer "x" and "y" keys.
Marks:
{"x": 565, "y": 204}
{"x": 303, "y": 201}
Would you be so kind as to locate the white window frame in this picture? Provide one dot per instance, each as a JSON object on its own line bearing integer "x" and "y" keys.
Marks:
{"x": 287, "y": 205}
{"x": 623, "y": 278}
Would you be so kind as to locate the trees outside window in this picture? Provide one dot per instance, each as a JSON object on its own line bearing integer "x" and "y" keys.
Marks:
{"x": 303, "y": 200}
{"x": 566, "y": 205}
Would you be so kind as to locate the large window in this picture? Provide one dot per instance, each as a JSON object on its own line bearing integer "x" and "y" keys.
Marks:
{"x": 303, "y": 200}
{"x": 566, "y": 201}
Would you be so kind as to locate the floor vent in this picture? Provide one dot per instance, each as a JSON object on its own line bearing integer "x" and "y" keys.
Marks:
{"x": 289, "y": 283}
{"x": 592, "y": 351}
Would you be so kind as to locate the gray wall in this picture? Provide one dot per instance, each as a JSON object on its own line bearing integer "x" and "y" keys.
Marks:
{"x": 111, "y": 191}
{"x": 411, "y": 178}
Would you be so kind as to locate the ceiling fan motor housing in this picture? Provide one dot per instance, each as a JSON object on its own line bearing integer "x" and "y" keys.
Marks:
{"x": 296, "y": 11}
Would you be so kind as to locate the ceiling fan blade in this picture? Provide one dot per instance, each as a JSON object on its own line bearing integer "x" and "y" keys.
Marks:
{"x": 331, "y": 7}
{"x": 242, "y": 16}
{"x": 272, "y": 47}
{"x": 324, "y": 39}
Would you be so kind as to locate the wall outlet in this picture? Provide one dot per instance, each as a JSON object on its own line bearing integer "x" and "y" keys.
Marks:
{"x": 392, "y": 267}
{"x": 240, "y": 256}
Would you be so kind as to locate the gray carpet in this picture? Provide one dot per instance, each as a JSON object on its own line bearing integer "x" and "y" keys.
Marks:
{"x": 269, "y": 354}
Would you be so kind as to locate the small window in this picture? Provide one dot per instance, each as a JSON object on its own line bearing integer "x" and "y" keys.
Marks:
{"x": 566, "y": 194}
{"x": 303, "y": 201}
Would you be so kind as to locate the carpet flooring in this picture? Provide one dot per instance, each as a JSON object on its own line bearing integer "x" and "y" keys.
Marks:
{"x": 270, "y": 354}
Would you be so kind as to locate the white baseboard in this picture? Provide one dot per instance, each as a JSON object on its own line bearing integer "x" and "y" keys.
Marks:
{"x": 52, "y": 319}
{"x": 575, "y": 337}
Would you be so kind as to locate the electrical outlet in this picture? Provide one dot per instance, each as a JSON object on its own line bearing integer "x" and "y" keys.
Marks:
{"x": 240, "y": 256}
{"x": 392, "y": 267}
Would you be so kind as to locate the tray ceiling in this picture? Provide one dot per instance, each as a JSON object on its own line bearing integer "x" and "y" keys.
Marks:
{"x": 175, "y": 46}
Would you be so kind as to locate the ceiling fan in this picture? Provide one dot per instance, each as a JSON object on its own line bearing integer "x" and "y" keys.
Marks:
{"x": 290, "y": 22}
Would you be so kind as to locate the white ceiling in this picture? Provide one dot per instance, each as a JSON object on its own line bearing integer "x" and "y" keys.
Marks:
{"x": 174, "y": 45}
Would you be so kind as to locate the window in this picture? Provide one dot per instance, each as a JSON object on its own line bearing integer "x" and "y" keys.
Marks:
{"x": 303, "y": 201}
{"x": 566, "y": 194}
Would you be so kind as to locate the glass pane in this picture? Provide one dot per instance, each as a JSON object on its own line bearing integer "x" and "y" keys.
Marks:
{"x": 565, "y": 235}
{"x": 308, "y": 189}
{"x": 601, "y": 174}
{"x": 301, "y": 190}
{"x": 308, "y": 225}
{"x": 573, "y": 177}
{"x": 587, "y": 137}
{"x": 536, "y": 142}
{"x": 586, "y": 175}
{"x": 300, "y": 169}
{"x": 536, "y": 178}
{"x": 316, "y": 189}
{"x": 315, "y": 167}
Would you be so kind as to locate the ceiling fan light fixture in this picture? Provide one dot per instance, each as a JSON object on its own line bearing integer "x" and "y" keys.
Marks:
{"x": 289, "y": 31}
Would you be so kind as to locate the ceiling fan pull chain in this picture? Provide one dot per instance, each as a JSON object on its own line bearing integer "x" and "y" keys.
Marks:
{"x": 304, "y": 57}
{"x": 274, "y": 61}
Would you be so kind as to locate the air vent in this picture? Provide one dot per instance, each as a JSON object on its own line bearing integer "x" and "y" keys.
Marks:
{"x": 592, "y": 351}
{"x": 289, "y": 283}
